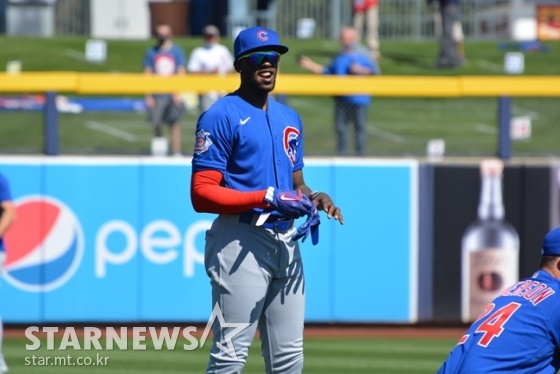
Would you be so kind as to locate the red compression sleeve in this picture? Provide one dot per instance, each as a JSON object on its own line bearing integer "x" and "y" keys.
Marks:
{"x": 208, "y": 196}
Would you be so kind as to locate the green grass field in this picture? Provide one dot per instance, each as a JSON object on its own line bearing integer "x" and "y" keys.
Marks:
{"x": 398, "y": 57}
{"x": 322, "y": 356}
{"x": 396, "y": 127}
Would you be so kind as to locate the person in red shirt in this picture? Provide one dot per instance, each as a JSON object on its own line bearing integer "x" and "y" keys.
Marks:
{"x": 367, "y": 11}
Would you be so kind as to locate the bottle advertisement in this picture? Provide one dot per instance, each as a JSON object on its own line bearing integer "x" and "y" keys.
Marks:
{"x": 490, "y": 247}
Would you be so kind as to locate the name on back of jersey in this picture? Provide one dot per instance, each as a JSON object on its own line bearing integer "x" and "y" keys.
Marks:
{"x": 531, "y": 290}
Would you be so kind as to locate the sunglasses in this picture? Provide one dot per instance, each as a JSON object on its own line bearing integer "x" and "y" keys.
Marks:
{"x": 257, "y": 58}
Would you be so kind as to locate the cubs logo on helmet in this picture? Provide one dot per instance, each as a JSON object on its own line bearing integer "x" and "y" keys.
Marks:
{"x": 44, "y": 246}
{"x": 262, "y": 35}
{"x": 291, "y": 141}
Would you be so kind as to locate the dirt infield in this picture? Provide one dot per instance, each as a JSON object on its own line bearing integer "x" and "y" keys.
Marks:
{"x": 384, "y": 331}
{"x": 311, "y": 330}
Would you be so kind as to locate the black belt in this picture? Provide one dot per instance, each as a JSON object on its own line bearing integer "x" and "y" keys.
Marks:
{"x": 274, "y": 223}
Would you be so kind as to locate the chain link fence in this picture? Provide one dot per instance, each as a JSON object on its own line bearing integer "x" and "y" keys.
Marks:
{"x": 72, "y": 17}
{"x": 399, "y": 19}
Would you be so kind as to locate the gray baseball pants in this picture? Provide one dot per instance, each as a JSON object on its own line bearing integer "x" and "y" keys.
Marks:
{"x": 257, "y": 277}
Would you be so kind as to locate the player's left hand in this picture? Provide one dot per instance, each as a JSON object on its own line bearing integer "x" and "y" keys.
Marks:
{"x": 323, "y": 202}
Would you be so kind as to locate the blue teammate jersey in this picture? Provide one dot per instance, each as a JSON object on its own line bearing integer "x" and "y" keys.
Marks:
{"x": 253, "y": 149}
{"x": 5, "y": 195}
{"x": 518, "y": 333}
{"x": 341, "y": 64}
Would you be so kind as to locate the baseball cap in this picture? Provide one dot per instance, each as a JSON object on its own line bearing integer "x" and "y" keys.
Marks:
{"x": 551, "y": 243}
{"x": 210, "y": 30}
{"x": 255, "y": 39}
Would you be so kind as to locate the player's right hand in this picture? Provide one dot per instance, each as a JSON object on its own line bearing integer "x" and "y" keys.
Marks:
{"x": 291, "y": 203}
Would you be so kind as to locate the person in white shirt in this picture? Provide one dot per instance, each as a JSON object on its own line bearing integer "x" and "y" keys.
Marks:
{"x": 211, "y": 58}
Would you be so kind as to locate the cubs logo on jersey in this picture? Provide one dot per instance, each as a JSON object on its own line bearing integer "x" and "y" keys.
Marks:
{"x": 291, "y": 141}
{"x": 202, "y": 142}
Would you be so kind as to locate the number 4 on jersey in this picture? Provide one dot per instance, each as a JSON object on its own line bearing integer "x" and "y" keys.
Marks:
{"x": 494, "y": 325}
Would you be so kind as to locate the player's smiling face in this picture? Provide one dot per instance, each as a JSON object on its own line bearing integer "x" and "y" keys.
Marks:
{"x": 259, "y": 70}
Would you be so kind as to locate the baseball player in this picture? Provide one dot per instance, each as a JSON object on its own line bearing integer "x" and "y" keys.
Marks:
{"x": 165, "y": 59}
{"x": 519, "y": 332}
{"x": 248, "y": 169}
{"x": 7, "y": 216}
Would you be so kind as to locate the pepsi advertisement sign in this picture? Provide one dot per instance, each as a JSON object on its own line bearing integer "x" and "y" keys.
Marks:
{"x": 46, "y": 258}
{"x": 103, "y": 240}
{"x": 116, "y": 239}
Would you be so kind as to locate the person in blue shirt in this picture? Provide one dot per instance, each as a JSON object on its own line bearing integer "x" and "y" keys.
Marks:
{"x": 352, "y": 60}
{"x": 519, "y": 332}
{"x": 7, "y": 216}
{"x": 165, "y": 59}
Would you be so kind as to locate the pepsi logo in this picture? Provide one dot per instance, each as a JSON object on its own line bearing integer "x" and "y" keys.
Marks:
{"x": 262, "y": 35}
{"x": 44, "y": 246}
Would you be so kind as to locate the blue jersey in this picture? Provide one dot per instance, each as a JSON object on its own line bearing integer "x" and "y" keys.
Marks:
{"x": 253, "y": 149}
{"x": 341, "y": 66}
{"x": 519, "y": 332}
{"x": 5, "y": 195}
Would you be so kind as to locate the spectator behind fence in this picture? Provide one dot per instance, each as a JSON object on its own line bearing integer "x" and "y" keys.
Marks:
{"x": 7, "y": 216}
{"x": 449, "y": 28}
{"x": 353, "y": 59}
{"x": 366, "y": 13}
{"x": 165, "y": 59}
{"x": 211, "y": 58}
